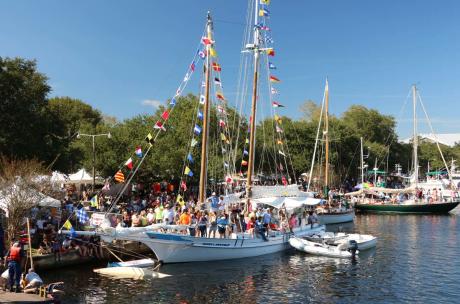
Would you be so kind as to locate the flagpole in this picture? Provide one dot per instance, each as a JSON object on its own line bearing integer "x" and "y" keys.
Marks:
{"x": 252, "y": 139}
{"x": 205, "y": 135}
{"x": 326, "y": 132}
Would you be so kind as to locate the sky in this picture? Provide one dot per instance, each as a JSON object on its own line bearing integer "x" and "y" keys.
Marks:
{"x": 116, "y": 55}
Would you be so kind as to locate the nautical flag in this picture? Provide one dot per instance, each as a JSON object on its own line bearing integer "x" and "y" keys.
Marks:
{"x": 173, "y": 102}
{"x": 269, "y": 39}
{"x": 274, "y": 79}
{"x": 225, "y": 164}
{"x": 129, "y": 163}
{"x": 200, "y": 115}
{"x": 220, "y": 109}
{"x": 202, "y": 99}
{"x": 187, "y": 171}
{"x": 284, "y": 181}
{"x": 138, "y": 151}
{"x": 192, "y": 66}
{"x": 281, "y": 153}
{"x": 245, "y": 152}
{"x": 202, "y": 54}
{"x": 264, "y": 27}
{"x": 193, "y": 143}
{"x": 197, "y": 129}
{"x": 183, "y": 185}
{"x": 216, "y": 67}
{"x": 244, "y": 163}
{"x": 278, "y": 119}
{"x": 217, "y": 81}
{"x": 271, "y": 66}
{"x": 186, "y": 77}
{"x": 224, "y": 150}
{"x": 279, "y": 142}
{"x": 159, "y": 125}
{"x": 119, "y": 177}
{"x": 247, "y": 141}
{"x": 149, "y": 138}
{"x": 229, "y": 179}
{"x": 165, "y": 115}
{"x": 94, "y": 201}
{"x": 281, "y": 167}
{"x": 264, "y": 12}
{"x": 82, "y": 216}
{"x": 265, "y": 2}
{"x": 273, "y": 91}
{"x": 180, "y": 200}
{"x": 189, "y": 157}
{"x": 73, "y": 234}
{"x": 206, "y": 41}
{"x": 178, "y": 91}
{"x": 212, "y": 52}
{"x": 221, "y": 123}
{"x": 223, "y": 137}
{"x": 277, "y": 105}
{"x": 270, "y": 52}
{"x": 67, "y": 225}
{"x": 279, "y": 130}
{"x": 220, "y": 96}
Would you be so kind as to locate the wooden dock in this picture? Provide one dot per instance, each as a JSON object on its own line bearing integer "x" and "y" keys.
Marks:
{"x": 12, "y": 297}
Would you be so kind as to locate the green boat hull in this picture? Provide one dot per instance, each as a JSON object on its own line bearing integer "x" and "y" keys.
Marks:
{"x": 437, "y": 208}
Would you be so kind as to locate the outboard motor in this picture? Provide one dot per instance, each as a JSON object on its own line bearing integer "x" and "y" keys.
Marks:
{"x": 352, "y": 247}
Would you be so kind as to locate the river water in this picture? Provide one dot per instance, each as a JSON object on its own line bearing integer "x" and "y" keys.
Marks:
{"x": 416, "y": 261}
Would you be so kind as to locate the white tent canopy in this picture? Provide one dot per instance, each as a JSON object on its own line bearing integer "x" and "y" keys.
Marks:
{"x": 289, "y": 203}
{"x": 81, "y": 176}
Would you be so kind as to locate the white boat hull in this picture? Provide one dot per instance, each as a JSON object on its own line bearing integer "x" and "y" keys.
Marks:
{"x": 180, "y": 248}
{"x": 319, "y": 249}
{"x": 131, "y": 273}
{"x": 364, "y": 241}
{"x": 336, "y": 218}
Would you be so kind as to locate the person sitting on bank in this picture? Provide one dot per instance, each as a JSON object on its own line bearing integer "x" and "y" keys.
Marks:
{"x": 32, "y": 280}
{"x": 13, "y": 257}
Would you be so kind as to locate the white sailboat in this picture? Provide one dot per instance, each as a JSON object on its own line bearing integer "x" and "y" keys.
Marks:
{"x": 172, "y": 247}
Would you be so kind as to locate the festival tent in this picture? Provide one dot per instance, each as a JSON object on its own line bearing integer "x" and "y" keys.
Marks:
{"x": 42, "y": 199}
{"x": 57, "y": 177}
{"x": 81, "y": 176}
{"x": 289, "y": 203}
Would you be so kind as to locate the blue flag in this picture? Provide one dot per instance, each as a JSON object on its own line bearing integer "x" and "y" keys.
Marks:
{"x": 73, "y": 234}
{"x": 200, "y": 115}
{"x": 189, "y": 157}
{"x": 271, "y": 66}
{"x": 173, "y": 102}
{"x": 82, "y": 216}
{"x": 197, "y": 130}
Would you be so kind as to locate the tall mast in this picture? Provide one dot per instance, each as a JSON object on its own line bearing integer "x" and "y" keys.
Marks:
{"x": 252, "y": 138}
{"x": 205, "y": 135}
{"x": 362, "y": 162}
{"x": 326, "y": 133}
{"x": 415, "y": 139}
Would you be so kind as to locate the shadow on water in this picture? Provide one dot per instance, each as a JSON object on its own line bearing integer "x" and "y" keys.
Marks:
{"x": 416, "y": 260}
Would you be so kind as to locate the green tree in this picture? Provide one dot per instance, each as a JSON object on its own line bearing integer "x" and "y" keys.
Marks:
{"x": 24, "y": 128}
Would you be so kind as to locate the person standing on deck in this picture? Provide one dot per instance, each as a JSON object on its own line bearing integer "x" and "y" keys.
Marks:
{"x": 13, "y": 257}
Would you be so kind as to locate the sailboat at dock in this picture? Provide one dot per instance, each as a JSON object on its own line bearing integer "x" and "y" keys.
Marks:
{"x": 168, "y": 242}
{"x": 416, "y": 197}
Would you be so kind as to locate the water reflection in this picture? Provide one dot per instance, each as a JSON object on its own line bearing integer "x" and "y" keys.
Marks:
{"x": 416, "y": 260}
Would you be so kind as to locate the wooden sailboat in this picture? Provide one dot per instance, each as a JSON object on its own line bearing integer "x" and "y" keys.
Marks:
{"x": 333, "y": 215}
{"x": 172, "y": 247}
{"x": 447, "y": 200}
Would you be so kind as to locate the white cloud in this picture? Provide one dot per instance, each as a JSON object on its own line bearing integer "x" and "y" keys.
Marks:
{"x": 151, "y": 103}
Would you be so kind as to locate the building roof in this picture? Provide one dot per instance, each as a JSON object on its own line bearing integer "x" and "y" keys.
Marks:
{"x": 448, "y": 139}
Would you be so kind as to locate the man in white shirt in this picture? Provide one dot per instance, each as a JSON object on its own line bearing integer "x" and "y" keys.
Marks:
{"x": 32, "y": 279}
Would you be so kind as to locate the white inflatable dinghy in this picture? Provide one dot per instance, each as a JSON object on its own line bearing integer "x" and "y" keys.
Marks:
{"x": 320, "y": 249}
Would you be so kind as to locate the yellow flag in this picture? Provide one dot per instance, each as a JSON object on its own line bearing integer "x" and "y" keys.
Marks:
{"x": 223, "y": 137}
{"x": 67, "y": 225}
{"x": 187, "y": 171}
{"x": 212, "y": 52}
{"x": 266, "y": 2}
{"x": 247, "y": 140}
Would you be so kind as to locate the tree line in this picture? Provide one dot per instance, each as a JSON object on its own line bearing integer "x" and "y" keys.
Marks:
{"x": 35, "y": 126}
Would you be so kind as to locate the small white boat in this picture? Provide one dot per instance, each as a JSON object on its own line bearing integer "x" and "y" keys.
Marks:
{"x": 131, "y": 273}
{"x": 134, "y": 263}
{"x": 332, "y": 251}
{"x": 364, "y": 241}
{"x": 336, "y": 217}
